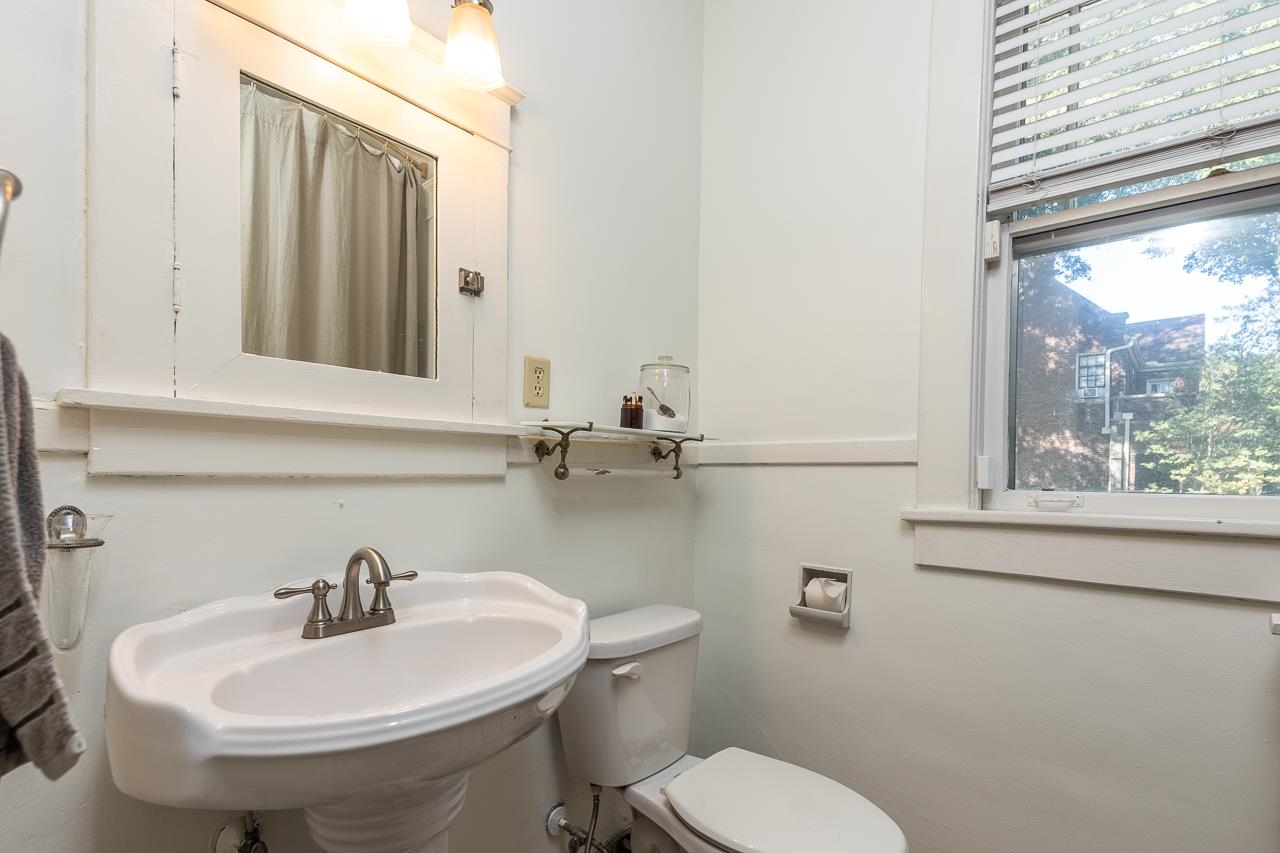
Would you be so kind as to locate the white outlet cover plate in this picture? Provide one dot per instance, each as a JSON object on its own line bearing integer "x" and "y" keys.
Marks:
{"x": 537, "y": 382}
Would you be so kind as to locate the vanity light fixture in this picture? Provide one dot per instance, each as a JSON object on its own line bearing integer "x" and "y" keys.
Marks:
{"x": 384, "y": 21}
{"x": 471, "y": 55}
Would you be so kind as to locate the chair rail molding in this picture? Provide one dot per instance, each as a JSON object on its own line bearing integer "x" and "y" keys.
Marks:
{"x": 849, "y": 451}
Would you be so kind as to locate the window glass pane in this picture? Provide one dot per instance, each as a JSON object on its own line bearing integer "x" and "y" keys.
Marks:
{"x": 1148, "y": 359}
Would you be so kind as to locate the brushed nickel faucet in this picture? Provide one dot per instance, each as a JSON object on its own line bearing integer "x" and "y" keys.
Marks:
{"x": 351, "y": 615}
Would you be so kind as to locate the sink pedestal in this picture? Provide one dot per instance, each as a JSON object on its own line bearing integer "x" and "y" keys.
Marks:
{"x": 412, "y": 816}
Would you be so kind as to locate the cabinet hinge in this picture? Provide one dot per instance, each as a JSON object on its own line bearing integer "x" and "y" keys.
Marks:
{"x": 177, "y": 71}
{"x": 177, "y": 287}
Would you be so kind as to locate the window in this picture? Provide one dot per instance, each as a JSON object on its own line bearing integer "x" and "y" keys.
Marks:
{"x": 1091, "y": 374}
{"x": 966, "y": 517}
{"x": 1186, "y": 296}
{"x": 1133, "y": 312}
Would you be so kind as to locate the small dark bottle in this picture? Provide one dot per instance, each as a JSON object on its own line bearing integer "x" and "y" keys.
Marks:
{"x": 632, "y": 416}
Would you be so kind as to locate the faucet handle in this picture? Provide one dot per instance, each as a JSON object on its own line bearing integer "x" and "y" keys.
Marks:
{"x": 381, "y": 603}
{"x": 402, "y": 576}
{"x": 320, "y": 614}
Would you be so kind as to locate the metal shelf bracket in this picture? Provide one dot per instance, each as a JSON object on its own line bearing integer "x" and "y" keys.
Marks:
{"x": 542, "y": 449}
{"x": 675, "y": 451}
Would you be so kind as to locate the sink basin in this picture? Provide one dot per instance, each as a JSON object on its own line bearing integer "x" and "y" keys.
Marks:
{"x": 373, "y": 732}
{"x": 399, "y": 671}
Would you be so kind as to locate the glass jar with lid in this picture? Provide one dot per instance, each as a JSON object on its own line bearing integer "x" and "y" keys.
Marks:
{"x": 668, "y": 395}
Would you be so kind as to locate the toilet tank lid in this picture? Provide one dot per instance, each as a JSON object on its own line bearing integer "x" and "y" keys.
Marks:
{"x": 640, "y": 630}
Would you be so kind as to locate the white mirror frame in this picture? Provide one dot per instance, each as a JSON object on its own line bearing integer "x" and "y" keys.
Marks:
{"x": 164, "y": 315}
{"x": 214, "y": 47}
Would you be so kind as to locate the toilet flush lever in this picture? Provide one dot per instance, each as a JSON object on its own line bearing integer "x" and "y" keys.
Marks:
{"x": 629, "y": 670}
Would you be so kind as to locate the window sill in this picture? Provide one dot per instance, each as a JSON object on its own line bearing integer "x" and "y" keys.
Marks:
{"x": 1190, "y": 556}
{"x": 1098, "y": 523}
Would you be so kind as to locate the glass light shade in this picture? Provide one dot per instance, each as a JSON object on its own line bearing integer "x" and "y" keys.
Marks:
{"x": 471, "y": 55}
{"x": 383, "y": 21}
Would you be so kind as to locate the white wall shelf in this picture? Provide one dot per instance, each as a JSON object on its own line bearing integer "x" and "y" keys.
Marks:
{"x": 591, "y": 429}
{"x": 80, "y": 398}
{"x": 156, "y": 436}
{"x": 567, "y": 430}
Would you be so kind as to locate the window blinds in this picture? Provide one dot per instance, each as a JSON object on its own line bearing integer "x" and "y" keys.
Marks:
{"x": 1098, "y": 94}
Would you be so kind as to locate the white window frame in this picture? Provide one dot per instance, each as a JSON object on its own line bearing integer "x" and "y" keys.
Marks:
{"x": 1153, "y": 382}
{"x": 997, "y": 318}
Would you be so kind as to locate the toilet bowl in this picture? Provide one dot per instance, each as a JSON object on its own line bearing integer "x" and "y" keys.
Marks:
{"x": 626, "y": 723}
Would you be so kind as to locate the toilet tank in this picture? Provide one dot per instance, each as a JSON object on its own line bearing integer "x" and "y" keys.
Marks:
{"x": 629, "y": 712}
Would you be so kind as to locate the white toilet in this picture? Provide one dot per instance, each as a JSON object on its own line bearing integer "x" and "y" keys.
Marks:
{"x": 626, "y": 723}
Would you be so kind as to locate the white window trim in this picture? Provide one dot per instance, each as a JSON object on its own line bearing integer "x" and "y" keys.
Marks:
{"x": 950, "y": 529}
{"x": 133, "y": 290}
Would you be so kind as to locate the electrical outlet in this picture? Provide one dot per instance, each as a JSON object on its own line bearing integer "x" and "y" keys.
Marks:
{"x": 537, "y": 382}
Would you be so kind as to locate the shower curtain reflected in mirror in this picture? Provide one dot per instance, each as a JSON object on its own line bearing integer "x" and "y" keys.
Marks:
{"x": 337, "y": 239}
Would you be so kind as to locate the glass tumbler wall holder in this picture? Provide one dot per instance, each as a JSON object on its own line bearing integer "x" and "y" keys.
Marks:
{"x": 72, "y": 539}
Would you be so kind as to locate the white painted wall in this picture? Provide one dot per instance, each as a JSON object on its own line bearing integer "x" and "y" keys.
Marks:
{"x": 599, "y": 282}
{"x": 811, "y": 212}
{"x": 983, "y": 713}
{"x": 612, "y": 117}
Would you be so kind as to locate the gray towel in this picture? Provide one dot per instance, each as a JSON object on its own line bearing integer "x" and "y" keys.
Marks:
{"x": 34, "y": 723}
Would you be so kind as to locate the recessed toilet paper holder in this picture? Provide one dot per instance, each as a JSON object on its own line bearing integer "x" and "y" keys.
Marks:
{"x": 802, "y": 610}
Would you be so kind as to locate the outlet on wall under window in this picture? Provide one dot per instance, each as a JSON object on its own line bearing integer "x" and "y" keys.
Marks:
{"x": 537, "y": 382}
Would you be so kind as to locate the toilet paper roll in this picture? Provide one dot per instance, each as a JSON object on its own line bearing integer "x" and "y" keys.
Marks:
{"x": 825, "y": 594}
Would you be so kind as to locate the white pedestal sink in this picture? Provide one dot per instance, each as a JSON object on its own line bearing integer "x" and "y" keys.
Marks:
{"x": 373, "y": 732}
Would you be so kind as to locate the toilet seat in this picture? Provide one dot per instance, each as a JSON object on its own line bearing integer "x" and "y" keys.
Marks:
{"x": 748, "y": 803}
